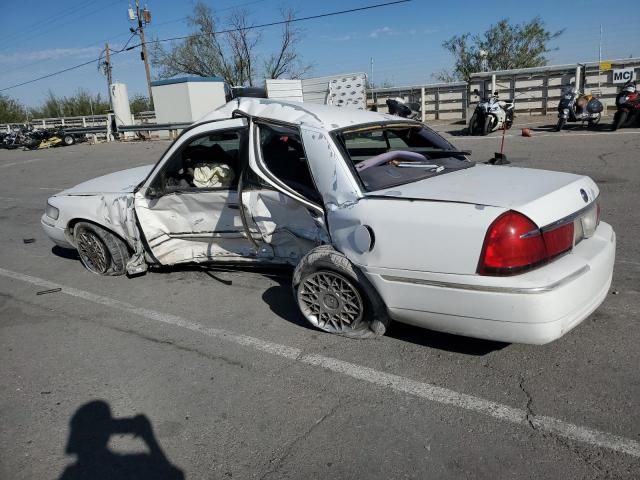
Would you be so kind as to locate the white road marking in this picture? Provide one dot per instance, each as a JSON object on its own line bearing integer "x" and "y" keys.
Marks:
{"x": 57, "y": 189}
{"x": 13, "y": 164}
{"x": 445, "y": 396}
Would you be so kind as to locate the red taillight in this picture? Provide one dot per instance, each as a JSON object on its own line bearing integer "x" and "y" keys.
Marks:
{"x": 558, "y": 240}
{"x": 514, "y": 244}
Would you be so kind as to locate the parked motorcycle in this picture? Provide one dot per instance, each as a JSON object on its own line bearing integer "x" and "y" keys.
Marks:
{"x": 14, "y": 139}
{"x": 491, "y": 114}
{"x": 577, "y": 107}
{"x": 398, "y": 107}
{"x": 43, "y": 138}
{"x": 628, "y": 104}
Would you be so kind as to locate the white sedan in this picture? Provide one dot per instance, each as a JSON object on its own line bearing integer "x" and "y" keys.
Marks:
{"x": 382, "y": 217}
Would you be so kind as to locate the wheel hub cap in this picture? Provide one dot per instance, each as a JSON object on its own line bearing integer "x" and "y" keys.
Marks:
{"x": 330, "y": 302}
{"x": 93, "y": 252}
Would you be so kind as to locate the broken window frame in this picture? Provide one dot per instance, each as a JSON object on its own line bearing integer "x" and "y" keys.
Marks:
{"x": 259, "y": 167}
{"x": 241, "y": 164}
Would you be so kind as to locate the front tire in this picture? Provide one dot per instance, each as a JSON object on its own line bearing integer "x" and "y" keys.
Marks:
{"x": 619, "y": 119}
{"x": 100, "y": 251}
{"x": 336, "y": 297}
{"x": 561, "y": 123}
{"x": 69, "y": 140}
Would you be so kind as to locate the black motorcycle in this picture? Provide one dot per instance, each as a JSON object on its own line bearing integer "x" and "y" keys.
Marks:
{"x": 577, "y": 107}
{"x": 401, "y": 109}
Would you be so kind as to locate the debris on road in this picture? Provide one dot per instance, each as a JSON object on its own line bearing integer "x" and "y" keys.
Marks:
{"x": 45, "y": 292}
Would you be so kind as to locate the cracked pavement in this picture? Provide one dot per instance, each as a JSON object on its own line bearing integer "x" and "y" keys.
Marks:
{"x": 221, "y": 410}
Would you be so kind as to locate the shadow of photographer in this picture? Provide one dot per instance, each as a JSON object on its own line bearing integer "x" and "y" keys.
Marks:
{"x": 92, "y": 426}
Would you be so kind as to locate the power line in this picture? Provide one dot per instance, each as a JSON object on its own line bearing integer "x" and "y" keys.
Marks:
{"x": 281, "y": 22}
{"x": 217, "y": 10}
{"x": 264, "y": 25}
{"x": 46, "y": 60}
{"x": 38, "y": 62}
{"x": 47, "y": 20}
{"x": 57, "y": 25}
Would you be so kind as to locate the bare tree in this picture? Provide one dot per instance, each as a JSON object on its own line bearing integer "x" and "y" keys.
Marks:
{"x": 232, "y": 55}
{"x": 444, "y": 76}
{"x": 242, "y": 43}
{"x": 201, "y": 54}
{"x": 288, "y": 61}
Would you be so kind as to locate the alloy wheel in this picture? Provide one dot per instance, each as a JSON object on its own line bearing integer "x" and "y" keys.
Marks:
{"x": 330, "y": 302}
{"x": 93, "y": 252}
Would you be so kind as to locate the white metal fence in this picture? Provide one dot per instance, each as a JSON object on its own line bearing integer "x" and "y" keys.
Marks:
{"x": 536, "y": 90}
{"x": 86, "y": 121}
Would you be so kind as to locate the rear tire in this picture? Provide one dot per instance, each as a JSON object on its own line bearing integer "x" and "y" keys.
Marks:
{"x": 101, "y": 252}
{"x": 619, "y": 119}
{"x": 593, "y": 122}
{"x": 486, "y": 126}
{"x": 336, "y": 297}
{"x": 561, "y": 123}
{"x": 473, "y": 124}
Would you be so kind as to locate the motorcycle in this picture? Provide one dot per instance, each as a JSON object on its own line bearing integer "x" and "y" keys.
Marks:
{"x": 399, "y": 108}
{"x": 14, "y": 139}
{"x": 576, "y": 107}
{"x": 628, "y": 105}
{"x": 491, "y": 114}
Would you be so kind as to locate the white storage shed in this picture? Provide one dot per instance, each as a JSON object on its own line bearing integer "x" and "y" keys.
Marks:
{"x": 186, "y": 99}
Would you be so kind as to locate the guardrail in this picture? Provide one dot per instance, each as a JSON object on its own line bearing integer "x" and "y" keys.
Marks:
{"x": 87, "y": 125}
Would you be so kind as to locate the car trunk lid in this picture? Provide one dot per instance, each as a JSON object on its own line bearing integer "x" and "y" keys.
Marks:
{"x": 542, "y": 195}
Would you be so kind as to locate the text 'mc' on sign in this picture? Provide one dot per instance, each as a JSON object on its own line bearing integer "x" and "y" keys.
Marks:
{"x": 623, "y": 75}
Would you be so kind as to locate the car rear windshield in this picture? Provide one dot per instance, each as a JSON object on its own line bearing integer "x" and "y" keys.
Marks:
{"x": 385, "y": 156}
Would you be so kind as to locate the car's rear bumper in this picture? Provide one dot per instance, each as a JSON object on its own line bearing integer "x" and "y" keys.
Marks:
{"x": 536, "y": 307}
{"x": 54, "y": 232}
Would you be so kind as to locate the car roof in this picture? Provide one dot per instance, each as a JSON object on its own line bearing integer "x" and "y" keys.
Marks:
{"x": 310, "y": 114}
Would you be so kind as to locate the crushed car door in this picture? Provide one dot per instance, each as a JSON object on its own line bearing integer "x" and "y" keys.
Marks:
{"x": 279, "y": 196}
{"x": 189, "y": 209}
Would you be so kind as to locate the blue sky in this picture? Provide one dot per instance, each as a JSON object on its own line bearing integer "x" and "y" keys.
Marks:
{"x": 41, "y": 36}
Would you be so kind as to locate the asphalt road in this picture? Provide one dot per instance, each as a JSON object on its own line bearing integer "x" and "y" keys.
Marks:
{"x": 234, "y": 384}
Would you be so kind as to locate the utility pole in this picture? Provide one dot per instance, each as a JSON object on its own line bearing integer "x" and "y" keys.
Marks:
{"x": 599, "y": 56}
{"x": 144, "y": 18}
{"x": 371, "y": 86}
{"x": 108, "y": 68}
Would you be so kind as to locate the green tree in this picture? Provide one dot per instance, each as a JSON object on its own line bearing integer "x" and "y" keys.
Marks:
{"x": 504, "y": 46}
{"x": 140, "y": 103}
{"x": 11, "y": 111}
{"x": 81, "y": 103}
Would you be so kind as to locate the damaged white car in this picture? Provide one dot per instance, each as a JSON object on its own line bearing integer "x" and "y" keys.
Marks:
{"x": 383, "y": 218}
